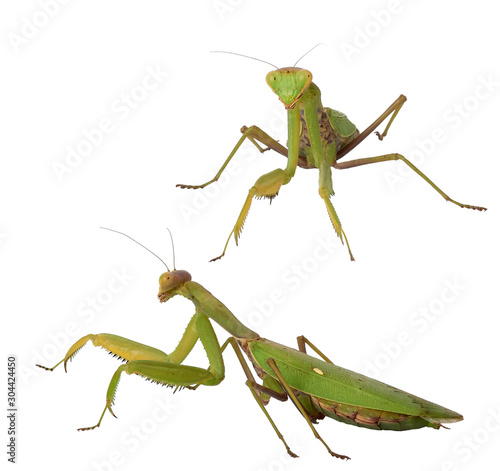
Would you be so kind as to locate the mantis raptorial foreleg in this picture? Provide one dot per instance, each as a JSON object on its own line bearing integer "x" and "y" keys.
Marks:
{"x": 326, "y": 191}
{"x": 262, "y": 137}
{"x": 255, "y": 135}
{"x": 167, "y": 374}
{"x": 155, "y": 365}
{"x": 267, "y": 186}
{"x": 120, "y": 347}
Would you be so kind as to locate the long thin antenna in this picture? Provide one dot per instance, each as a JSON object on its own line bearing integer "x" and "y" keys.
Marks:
{"x": 143, "y": 246}
{"x": 243, "y": 55}
{"x": 303, "y": 55}
{"x": 173, "y": 249}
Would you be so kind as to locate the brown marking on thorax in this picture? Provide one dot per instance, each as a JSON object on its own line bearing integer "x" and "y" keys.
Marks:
{"x": 259, "y": 370}
{"x": 326, "y": 132}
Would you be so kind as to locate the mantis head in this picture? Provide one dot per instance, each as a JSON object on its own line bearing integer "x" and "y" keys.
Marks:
{"x": 289, "y": 83}
{"x": 171, "y": 280}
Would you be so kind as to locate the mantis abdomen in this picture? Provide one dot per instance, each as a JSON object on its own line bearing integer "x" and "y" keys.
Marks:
{"x": 373, "y": 419}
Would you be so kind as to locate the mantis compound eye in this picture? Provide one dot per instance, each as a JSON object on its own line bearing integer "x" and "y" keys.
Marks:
{"x": 304, "y": 79}
{"x": 171, "y": 280}
{"x": 272, "y": 79}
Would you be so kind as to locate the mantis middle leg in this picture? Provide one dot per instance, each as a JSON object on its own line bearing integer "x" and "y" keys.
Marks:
{"x": 300, "y": 407}
{"x": 261, "y": 393}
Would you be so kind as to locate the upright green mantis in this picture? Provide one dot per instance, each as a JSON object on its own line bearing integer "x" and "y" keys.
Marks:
{"x": 317, "y": 138}
{"x": 317, "y": 387}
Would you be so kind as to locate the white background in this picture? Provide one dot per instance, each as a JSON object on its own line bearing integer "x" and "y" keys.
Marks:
{"x": 63, "y": 77}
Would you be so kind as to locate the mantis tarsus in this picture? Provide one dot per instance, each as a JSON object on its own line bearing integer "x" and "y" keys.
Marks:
{"x": 317, "y": 387}
{"x": 317, "y": 138}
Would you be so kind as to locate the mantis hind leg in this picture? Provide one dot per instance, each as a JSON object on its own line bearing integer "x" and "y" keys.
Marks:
{"x": 388, "y": 157}
{"x": 302, "y": 341}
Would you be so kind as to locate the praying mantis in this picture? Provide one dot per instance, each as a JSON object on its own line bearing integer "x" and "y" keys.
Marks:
{"x": 318, "y": 137}
{"x": 316, "y": 386}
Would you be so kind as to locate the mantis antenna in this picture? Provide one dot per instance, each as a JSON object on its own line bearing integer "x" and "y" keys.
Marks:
{"x": 143, "y": 246}
{"x": 265, "y": 62}
{"x": 303, "y": 55}
{"x": 248, "y": 57}
{"x": 173, "y": 249}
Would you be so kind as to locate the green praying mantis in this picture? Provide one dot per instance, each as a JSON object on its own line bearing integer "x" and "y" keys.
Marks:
{"x": 316, "y": 386}
{"x": 318, "y": 137}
